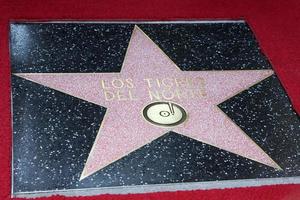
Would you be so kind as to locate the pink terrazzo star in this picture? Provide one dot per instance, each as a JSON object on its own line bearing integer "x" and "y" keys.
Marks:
{"x": 124, "y": 129}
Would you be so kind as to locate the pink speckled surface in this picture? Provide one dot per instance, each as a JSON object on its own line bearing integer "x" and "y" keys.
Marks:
{"x": 124, "y": 129}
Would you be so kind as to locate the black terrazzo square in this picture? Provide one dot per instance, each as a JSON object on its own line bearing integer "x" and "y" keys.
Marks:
{"x": 54, "y": 132}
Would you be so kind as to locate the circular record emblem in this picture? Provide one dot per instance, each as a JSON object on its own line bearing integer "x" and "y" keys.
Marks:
{"x": 164, "y": 114}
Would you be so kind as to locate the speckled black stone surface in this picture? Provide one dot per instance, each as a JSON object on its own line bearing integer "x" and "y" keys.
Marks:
{"x": 220, "y": 46}
{"x": 68, "y": 47}
{"x": 53, "y": 132}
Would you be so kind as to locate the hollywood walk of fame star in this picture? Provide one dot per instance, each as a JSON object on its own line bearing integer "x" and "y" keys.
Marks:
{"x": 124, "y": 128}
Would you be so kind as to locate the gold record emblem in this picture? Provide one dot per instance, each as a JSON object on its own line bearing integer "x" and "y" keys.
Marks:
{"x": 164, "y": 114}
